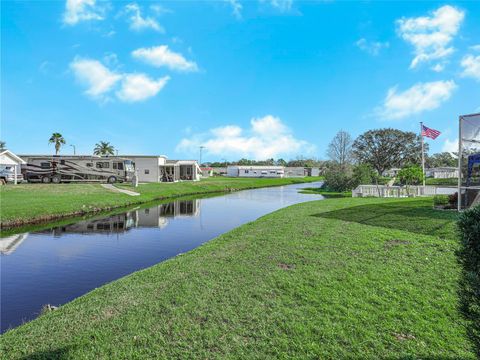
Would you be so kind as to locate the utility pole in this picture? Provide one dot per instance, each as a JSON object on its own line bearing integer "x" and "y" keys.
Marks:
{"x": 423, "y": 153}
{"x": 74, "y": 149}
{"x": 201, "y": 148}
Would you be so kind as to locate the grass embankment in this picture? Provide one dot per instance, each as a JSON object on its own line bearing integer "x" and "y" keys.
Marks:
{"x": 326, "y": 193}
{"x": 441, "y": 182}
{"x": 35, "y": 203}
{"x": 341, "y": 278}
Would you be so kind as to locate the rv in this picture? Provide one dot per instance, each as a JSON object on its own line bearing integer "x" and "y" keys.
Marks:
{"x": 57, "y": 169}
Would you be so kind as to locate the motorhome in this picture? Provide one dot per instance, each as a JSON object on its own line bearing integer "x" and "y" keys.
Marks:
{"x": 57, "y": 169}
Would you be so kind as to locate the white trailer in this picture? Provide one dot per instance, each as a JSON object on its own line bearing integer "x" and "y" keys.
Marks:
{"x": 256, "y": 171}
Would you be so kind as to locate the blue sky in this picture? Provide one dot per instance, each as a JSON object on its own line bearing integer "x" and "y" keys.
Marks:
{"x": 253, "y": 79}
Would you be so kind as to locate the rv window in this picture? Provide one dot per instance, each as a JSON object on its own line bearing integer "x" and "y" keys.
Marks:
{"x": 103, "y": 165}
{"x": 89, "y": 164}
{"x": 246, "y": 171}
{"x": 120, "y": 166}
{"x": 147, "y": 171}
{"x": 62, "y": 162}
{"x": 45, "y": 165}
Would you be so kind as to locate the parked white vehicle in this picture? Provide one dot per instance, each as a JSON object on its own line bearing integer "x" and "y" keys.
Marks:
{"x": 8, "y": 174}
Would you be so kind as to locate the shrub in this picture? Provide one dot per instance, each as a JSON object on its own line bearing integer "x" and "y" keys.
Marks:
{"x": 469, "y": 225}
{"x": 441, "y": 200}
{"x": 338, "y": 178}
{"x": 363, "y": 174}
{"x": 411, "y": 175}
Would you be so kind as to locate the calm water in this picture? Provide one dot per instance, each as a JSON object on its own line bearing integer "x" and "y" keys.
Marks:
{"x": 57, "y": 265}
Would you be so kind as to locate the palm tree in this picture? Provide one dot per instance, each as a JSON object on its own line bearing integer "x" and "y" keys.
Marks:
{"x": 3, "y": 145}
{"x": 58, "y": 140}
{"x": 103, "y": 148}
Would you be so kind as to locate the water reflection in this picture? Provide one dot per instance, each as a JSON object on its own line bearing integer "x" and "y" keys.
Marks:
{"x": 60, "y": 263}
{"x": 156, "y": 217}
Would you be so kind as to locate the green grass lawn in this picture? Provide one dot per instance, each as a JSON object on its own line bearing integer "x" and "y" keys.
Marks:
{"x": 32, "y": 203}
{"x": 333, "y": 279}
{"x": 441, "y": 182}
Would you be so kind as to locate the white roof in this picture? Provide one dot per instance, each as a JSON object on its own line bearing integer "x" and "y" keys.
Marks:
{"x": 254, "y": 167}
{"x": 9, "y": 158}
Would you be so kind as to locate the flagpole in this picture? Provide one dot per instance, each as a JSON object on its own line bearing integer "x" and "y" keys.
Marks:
{"x": 423, "y": 153}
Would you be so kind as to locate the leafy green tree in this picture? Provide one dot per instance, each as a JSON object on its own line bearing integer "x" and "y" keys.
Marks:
{"x": 441, "y": 160}
{"x": 3, "y": 145}
{"x": 58, "y": 140}
{"x": 364, "y": 174}
{"x": 387, "y": 148}
{"x": 103, "y": 148}
{"x": 281, "y": 162}
{"x": 411, "y": 175}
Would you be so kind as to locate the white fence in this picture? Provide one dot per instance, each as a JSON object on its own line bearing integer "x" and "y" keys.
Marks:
{"x": 394, "y": 191}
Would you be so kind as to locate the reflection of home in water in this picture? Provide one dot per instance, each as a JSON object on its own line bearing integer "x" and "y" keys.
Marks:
{"x": 8, "y": 244}
{"x": 155, "y": 216}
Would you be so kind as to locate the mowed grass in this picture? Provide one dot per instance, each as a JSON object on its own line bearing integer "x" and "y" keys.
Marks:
{"x": 332, "y": 279}
{"x": 32, "y": 203}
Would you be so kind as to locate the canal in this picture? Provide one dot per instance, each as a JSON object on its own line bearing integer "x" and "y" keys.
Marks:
{"x": 58, "y": 264}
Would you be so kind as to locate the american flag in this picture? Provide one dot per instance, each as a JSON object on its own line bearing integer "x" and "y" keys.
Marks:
{"x": 431, "y": 133}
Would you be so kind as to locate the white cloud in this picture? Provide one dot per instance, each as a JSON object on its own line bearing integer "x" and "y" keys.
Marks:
{"x": 138, "y": 22}
{"x": 92, "y": 73}
{"x": 159, "y": 56}
{"x": 139, "y": 87}
{"x": 431, "y": 35}
{"x": 236, "y": 8}
{"x": 471, "y": 66}
{"x": 419, "y": 98}
{"x": 450, "y": 146}
{"x": 475, "y": 47}
{"x": 267, "y": 137}
{"x": 100, "y": 81}
{"x": 82, "y": 10}
{"x": 282, "y": 5}
{"x": 372, "y": 47}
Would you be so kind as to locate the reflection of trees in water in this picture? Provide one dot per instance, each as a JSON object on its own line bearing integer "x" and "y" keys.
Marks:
{"x": 156, "y": 216}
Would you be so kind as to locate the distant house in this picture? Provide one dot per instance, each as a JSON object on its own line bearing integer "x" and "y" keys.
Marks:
{"x": 442, "y": 172}
{"x": 157, "y": 168}
{"x": 296, "y": 172}
{"x": 256, "y": 171}
{"x": 391, "y": 172}
{"x": 207, "y": 171}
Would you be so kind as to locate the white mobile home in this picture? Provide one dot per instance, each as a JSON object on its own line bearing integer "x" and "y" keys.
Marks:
{"x": 442, "y": 172}
{"x": 256, "y": 171}
{"x": 157, "y": 168}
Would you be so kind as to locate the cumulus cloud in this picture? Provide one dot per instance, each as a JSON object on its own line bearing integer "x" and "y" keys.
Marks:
{"x": 82, "y": 10}
{"x": 450, "y": 146}
{"x": 371, "y": 47}
{"x": 471, "y": 66}
{"x": 417, "y": 99}
{"x": 138, "y": 22}
{"x": 100, "y": 81}
{"x": 159, "y": 56}
{"x": 267, "y": 137}
{"x": 236, "y": 8}
{"x": 139, "y": 87}
{"x": 431, "y": 35}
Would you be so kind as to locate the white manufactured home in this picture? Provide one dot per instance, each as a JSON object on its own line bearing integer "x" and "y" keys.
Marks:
{"x": 256, "y": 171}
{"x": 157, "y": 168}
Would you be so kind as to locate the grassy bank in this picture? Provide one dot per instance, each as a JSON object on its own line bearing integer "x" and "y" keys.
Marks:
{"x": 34, "y": 203}
{"x": 338, "y": 278}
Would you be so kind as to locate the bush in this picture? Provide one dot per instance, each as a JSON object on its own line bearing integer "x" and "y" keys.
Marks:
{"x": 469, "y": 225}
{"x": 411, "y": 175}
{"x": 339, "y": 179}
{"x": 363, "y": 174}
{"x": 441, "y": 200}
